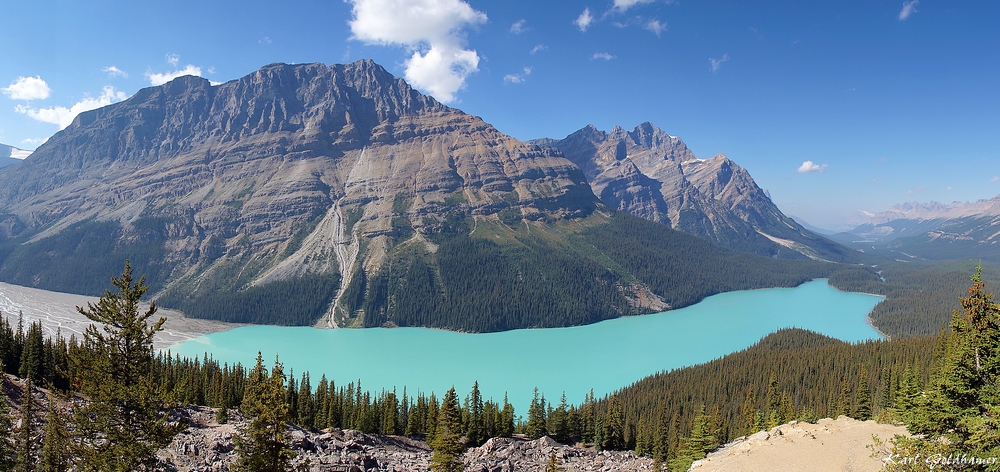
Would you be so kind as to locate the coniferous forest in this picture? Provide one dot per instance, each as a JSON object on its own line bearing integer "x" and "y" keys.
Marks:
{"x": 674, "y": 417}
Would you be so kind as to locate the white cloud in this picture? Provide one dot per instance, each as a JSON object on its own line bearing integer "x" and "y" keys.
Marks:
{"x": 33, "y": 141}
{"x": 602, "y": 55}
{"x": 63, "y": 116}
{"x": 27, "y": 88}
{"x": 915, "y": 190}
{"x": 909, "y": 8}
{"x": 517, "y": 78}
{"x": 996, "y": 178}
{"x": 518, "y": 27}
{"x": 432, "y": 29}
{"x": 623, "y": 5}
{"x": 716, "y": 63}
{"x": 160, "y": 79}
{"x": 584, "y": 20}
{"x": 656, "y": 26}
{"x": 810, "y": 166}
{"x": 538, "y": 48}
{"x": 265, "y": 40}
{"x": 113, "y": 71}
{"x": 172, "y": 59}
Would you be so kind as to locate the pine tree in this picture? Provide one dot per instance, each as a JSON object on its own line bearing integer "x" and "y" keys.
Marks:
{"x": 614, "y": 426}
{"x": 263, "y": 445}
{"x": 553, "y": 464}
{"x": 536, "y": 417}
{"x": 125, "y": 422}
{"x": 55, "y": 450}
{"x": 7, "y": 454}
{"x": 661, "y": 438}
{"x": 447, "y": 445}
{"x": 700, "y": 442}
{"x": 962, "y": 400}
{"x": 33, "y": 354}
{"x": 25, "y": 443}
{"x": 558, "y": 421}
{"x": 748, "y": 414}
{"x": 507, "y": 419}
{"x": 390, "y": 422}
{"x": 475, "y": 428}
{"x": 863, "y": 411}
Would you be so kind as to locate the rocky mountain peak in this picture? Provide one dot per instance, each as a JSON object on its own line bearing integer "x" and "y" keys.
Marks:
{"x": 652, "y": 174}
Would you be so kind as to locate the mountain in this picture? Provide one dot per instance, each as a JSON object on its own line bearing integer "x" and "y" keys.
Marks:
{"x": 651, "y": 174}
{"x": 11, "y": 155}
{"x": 339, "y": 195}
{"x": 933, "y": 230}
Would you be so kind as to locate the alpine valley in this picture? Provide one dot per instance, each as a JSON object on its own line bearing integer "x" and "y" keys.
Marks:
{"x": 339, "y": 196}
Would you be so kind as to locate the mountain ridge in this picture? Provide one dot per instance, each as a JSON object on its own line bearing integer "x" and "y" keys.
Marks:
{"x": 336, "y": 195}
{"x": 654, "y": 175}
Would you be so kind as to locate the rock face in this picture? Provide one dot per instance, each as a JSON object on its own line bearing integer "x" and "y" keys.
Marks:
{"x": 291, "y": 171}
{"x": 208, "y": 447}
{"x": 654, "y": 175}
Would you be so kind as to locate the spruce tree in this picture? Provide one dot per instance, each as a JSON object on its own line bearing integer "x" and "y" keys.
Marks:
{"x": 55, "y": 450}
{"x": 447, "y": 445}
{"x": 24, "y": 443}
{"x": 7, "y": 454}
{"x": 700, "y": 442}
{"x": 614, "y": 426}
{"x": 553, "y": 464}
{"x": 961, "y": 403}
{"x": 33, "y": 354}
{"x": 536, "y": 427}
{"x": 262, "y": 446}
{"x": 863, "y": 411}
{"x": 475, "y": 427}
{"x": 125, "y": 420}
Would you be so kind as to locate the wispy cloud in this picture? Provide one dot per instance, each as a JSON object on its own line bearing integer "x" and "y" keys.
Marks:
{"x": 27, "y": 88}
{"x": 622, "y": 5}
{"x": 518, "y": 26}
{"x": 909, "y": 8}
{"x": 996, "y": 178}
{"x": 33, "y": 141}
{"x": 538, "y": 48}
{"x": 113, "y": 71}
{"x": 164, "y": 77}
{"x": 265, "y": 40}
{"x": 810, "y": 166}
{"x": 584, "y": 20}
{"x": 717, "y": 63}
{"x": 432, "y": 30}
{"x": 172, "y": 59}
{"x": 656, "y": 26}
{"x": 63, "y": 116}
{"x": 517, "y": 78}
{"x": 915, "y": 190}
{"x": 602, "y": 55}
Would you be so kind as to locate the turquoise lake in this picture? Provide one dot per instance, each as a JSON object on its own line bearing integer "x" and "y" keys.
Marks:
{"x": 604, "y": 356}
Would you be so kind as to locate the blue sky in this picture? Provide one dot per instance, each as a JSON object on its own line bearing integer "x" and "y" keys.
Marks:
{"x": 888, "y": 101}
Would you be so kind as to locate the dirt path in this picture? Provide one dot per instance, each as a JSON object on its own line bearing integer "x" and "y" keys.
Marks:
{"x": 828, "y": 445}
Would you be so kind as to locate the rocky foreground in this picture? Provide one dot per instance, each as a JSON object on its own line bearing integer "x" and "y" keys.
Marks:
{"x": 207, "y": 446}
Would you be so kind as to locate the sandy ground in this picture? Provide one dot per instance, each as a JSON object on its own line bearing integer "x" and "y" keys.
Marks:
{"x": 57, "y": 311}
{"x": 843, "y": 444}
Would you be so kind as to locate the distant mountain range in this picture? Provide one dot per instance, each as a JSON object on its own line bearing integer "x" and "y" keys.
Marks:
{"x": 930, "y": 231}
{"x": 339, "y": 195}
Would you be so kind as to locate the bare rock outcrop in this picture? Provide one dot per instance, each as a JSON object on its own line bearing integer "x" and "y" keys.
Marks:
{"x": 208, "y": 447}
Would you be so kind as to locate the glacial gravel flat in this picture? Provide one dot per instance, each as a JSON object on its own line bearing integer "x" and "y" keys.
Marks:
{"x": 57, "y": 312}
